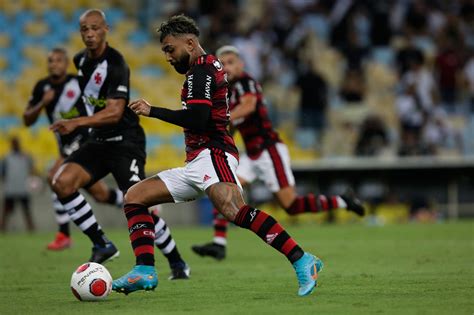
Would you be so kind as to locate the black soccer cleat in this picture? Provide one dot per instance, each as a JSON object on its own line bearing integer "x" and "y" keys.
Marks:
{"x": 102, "y": 255}
{"x": 210, "y": 249}
{"x": 180, "y": 272}
{"x": 353, "y": 204}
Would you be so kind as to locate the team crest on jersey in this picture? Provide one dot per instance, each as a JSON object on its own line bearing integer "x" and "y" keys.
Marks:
{"x": 98, "y": 78}
{"x": 70, "y": 94}
{"x": 217, "y": 64}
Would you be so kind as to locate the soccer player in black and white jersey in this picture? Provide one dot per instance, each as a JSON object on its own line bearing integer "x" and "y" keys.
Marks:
{"x": 211, "y": 163}
{"x": 116, "y": 142}
{"x": 267, "y": 157}
{"x": 58, "y": 95}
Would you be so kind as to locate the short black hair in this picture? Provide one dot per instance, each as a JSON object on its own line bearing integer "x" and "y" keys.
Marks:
{"x": 60, "y": 50}
{"x": 178, "y": 25}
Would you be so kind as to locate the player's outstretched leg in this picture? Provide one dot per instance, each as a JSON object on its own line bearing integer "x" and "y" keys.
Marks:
{"x": 63, "y": 239}
{"x": 310, "y": 203}
{"x": 166, "y": 244}
{"x": 228, "y": 200}
{"x": 270, "y": 231}
{"x": 217, "y": 248}
{"x": 292, "y": 204}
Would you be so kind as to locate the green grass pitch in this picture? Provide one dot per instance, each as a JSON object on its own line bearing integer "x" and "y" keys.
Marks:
{"x": 399, "y": 269}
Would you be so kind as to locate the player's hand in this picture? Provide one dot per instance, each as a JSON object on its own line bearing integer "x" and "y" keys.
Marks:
{"x": 140, "y": 107}
{"x": 48, "y": 96}
{"x": 64, "y": 127}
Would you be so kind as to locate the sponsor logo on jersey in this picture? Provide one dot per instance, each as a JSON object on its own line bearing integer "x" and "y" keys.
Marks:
{"x": 96, "y": 102}
{"x": 74, "y": 112}
{"x": 207, "y": 89}
{"x": 190, "y": 86}
{"x": 206, "y": 178}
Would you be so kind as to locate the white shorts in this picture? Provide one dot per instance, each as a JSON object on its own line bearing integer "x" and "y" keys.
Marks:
{"x": 273, "y": 167}
{"x": 191, "y": 181}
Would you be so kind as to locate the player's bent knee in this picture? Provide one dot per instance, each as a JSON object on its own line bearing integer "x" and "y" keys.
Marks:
{"x": 63, "y": 186}
{"x": 132, "y": 196}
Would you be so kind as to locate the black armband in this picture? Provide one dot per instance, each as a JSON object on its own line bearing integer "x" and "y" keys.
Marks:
{"x": 195, "y": 117}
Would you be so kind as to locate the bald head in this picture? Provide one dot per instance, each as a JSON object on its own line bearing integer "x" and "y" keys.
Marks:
{"x": 94, "y": 28}
{"x": 94, "y": 12}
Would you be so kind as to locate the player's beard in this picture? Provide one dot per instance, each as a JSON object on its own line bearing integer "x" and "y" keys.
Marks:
{"x": 182, "y": 65}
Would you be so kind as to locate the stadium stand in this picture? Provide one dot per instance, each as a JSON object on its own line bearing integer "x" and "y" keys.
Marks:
{"x": 30, "y": 28}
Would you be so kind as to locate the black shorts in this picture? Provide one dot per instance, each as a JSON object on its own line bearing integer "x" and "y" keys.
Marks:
{"x": 9, "y": 202}
{"x": 125, "y": 160}
{"x": 70, "y": 143}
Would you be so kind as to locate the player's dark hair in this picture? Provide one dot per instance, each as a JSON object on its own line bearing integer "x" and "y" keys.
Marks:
{"x": 178, "y": 25}
{"x": 60, "y": 50}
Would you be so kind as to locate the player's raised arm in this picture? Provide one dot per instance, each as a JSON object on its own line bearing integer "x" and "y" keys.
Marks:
{"x": 36, "y": 105}
{"x": 248, "y": 104}
{"x": 197, "y": 112}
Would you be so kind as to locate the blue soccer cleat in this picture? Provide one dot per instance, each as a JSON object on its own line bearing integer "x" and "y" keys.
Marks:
{"x": 141, "y": 277}
{"x": 307, "y": 268}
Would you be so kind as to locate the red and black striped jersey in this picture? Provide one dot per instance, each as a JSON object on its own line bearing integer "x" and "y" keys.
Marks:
{"x": 256, "y": 128}
{"x": 206, "y": 84}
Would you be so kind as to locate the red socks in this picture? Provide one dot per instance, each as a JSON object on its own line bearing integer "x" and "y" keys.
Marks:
{"x": 269, "y": 230}
{"x": 312, "y": 204}
{"x": 142, "y": 233}
{"x": 220, "y": 228}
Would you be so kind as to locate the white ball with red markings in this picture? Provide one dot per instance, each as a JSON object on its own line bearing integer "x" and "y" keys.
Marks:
{"x": 91, "y": 282}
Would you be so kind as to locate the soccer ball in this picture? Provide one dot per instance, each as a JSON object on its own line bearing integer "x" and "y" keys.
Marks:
{"x": 91, "y": 282}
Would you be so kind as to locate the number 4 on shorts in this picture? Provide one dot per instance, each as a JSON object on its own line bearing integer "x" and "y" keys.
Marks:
{"x": 135, "y": 171}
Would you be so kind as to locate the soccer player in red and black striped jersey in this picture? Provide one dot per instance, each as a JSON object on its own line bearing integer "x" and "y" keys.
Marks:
{"x": 267, "y": 156}
{"x": 211, "y": 162}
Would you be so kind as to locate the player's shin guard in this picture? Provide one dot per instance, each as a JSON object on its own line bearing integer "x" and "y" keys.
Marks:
{"x": 142, "y": 233}
{"x": 61, "y": 215}
{"x": 165, "y": 242}
{"x": 220, "y": 228}
{"x": 81, "y": 214}
{"x": 269, "y": 230}
{"x": 313, "y": 204}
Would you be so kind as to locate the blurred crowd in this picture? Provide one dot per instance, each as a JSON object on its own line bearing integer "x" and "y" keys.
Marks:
{"x": 428, "y": 45}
